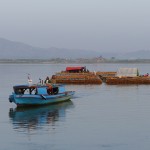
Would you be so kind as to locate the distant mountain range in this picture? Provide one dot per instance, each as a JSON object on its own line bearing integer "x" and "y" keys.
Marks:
{"x": 18, "y": 50}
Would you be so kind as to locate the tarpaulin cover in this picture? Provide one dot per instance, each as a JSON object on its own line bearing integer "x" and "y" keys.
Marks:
{"x": 74, "y": 68}
{"x": 129, "y": 72}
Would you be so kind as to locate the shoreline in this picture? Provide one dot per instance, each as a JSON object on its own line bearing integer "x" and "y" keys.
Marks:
{"x": 65, "y": 61}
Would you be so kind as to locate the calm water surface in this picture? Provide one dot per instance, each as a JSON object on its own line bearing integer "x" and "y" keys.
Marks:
{"x": 100, "y": 117}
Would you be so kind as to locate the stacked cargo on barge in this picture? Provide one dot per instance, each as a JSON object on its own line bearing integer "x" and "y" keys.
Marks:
{"x": 128, "y": 76}
{"x": 104, "y": 75}
{"x": 76, "y": 75}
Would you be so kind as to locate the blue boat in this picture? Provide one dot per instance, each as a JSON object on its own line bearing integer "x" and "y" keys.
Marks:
{"x": 28, "y": 95}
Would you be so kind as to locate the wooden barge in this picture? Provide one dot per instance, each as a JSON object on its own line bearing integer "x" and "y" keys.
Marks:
{"x": 128, "y": 80}
{"x": 80, "y": 75}
{"x": 128, "y": 76}
{"x": 76, "y": 75}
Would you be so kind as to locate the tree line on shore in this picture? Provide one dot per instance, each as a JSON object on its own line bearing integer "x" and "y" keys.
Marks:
{"x": 79, "y": 60}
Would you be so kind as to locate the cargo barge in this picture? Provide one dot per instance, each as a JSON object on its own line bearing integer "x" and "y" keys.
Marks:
{"x": 76, "y": 75}
{"x": 128, "y": 76}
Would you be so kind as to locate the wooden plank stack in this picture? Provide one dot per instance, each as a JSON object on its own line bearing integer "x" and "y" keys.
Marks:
{"x": 76, "y": 78}
{"x": 127, "y": 80}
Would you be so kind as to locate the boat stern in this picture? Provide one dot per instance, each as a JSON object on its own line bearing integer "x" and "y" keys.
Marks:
{"x": 11, "y": 98}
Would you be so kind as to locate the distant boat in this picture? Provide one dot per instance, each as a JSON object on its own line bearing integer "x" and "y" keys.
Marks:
{"x": 28, "y": 95}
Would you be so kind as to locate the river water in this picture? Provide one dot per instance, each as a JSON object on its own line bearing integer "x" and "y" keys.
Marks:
{"x": 99, "y": 117}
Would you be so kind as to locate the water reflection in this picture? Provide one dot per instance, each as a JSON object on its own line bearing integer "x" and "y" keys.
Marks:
{"x": 34, "y": 118}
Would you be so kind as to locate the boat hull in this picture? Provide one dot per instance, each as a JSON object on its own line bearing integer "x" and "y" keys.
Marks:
{"x": 29, "y": 100}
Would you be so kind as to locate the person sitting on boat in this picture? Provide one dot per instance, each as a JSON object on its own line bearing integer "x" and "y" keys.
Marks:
{"x": 49, "y": 89}
{"x": 47, "y": 80}
{"x": 146, "y": 75}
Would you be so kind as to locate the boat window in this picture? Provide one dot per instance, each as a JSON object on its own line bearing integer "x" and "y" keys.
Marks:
{"x": 33, "y": 90}
{"x": 20, "y": 91}
{"x": 26, "y": 91}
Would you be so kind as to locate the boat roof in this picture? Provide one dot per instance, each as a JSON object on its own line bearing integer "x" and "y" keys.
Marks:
{"x": 74, "y": 68}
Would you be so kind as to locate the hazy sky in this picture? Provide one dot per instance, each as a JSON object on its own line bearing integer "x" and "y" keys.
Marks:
{"x": 99, "y": 25}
